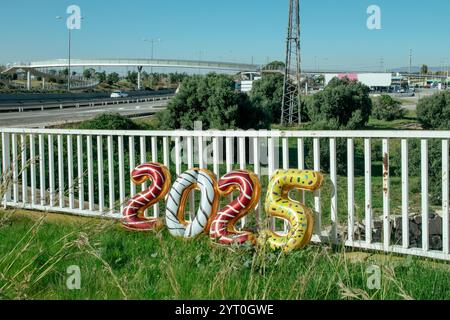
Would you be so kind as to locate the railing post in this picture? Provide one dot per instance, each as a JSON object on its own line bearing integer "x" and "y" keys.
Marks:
{"x": 61, "y": 171}
{"x": 257, "y": 170}
{"x": 177, "y": 155}
{"x": 386, "y": 196}
{"x": 334, "y": 197}
{"x": 24, "y": 169}
{"x": 317, "y": 208}
{"x": 216, "y": 157}
{"x": 445, "y": 195}
{"x": 155, "y": 159}
{"x": 405, "y": 194}
{"x": 190, "y": 163}
{"x": 15, "y": 168}
{"x": 368, "y": 188}
{"x": 242, "y": 166}
{"x": 6, "y": 167}
{"x": 111, "y": 181}
{"x": 143, "y": 150}
{"x": 80, "y": 172}
{"x": 42, "y": 169}
{"x": 271, "y": 169}
{"x": 101, "y": 182}
{"x": 425, "y": 209}
{"x": 285, "y": 147}
{"x": 70, "y": 177}
{"x": 132, "y": 164}
{"x": 201, "y": 152}
{"x": 301, "y": 161}
{"x": 90, "y": 164}
{"x": 121, "y": 173}
{"x": 51, "y": 170}
{"x": 166, "y": 151}
{"x": 351, "y": 188}
{"x": 33, "y": 168}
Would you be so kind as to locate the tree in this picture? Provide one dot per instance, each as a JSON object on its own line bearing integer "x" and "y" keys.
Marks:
{"x": 113, "y": 78}
{"x": 64, "y": 72}
{"x": 213, "y": 100}
{"x": 424, "y": 69}
{"x": 110, "y": 121}
{"x": 89, "y": 73}
{"x": 275, "y": 65}
{"x": 434, "y": 112}
{"x": 343, "y": 104}
{"x": 132, "y": 77}
{"x": 101, "y": 76}
{"x": 387, "y": 108}
{"x": 268, "y": 95}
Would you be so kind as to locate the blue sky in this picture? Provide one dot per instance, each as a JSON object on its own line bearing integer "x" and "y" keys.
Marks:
{"x": 334, "y": 31}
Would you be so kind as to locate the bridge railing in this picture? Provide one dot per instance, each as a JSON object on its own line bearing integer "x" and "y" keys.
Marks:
{"x": 371, "y": 198}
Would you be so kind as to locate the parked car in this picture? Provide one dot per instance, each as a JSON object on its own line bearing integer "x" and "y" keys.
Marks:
{"x": 119, "y": 94}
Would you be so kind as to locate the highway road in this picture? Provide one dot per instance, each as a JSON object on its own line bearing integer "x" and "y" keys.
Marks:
{"x": 46, "y": 118}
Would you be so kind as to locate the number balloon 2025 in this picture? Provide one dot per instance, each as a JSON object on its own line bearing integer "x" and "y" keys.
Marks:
{"x": 220, "y": 224}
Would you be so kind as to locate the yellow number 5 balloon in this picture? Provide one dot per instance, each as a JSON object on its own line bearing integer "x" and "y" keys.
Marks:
{"x": 279, "y": 204}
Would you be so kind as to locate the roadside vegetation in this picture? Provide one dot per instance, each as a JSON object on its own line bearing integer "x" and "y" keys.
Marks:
{"x": 37, "y": 249}
{"x": 57, "y": 79}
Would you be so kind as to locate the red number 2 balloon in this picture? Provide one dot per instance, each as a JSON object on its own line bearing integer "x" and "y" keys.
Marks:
{"x": 223, "y": 229}
{"x": 133, "y": 213}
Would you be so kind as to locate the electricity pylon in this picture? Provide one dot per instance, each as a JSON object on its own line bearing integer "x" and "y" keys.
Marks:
{"x": 291, "y": 105}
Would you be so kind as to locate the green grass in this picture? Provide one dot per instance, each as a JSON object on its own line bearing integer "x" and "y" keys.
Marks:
{"x": 408, "y": 121}
{"x": 116, "y": 264}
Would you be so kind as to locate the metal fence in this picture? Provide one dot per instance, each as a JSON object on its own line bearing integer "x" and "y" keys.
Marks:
{"x": 88, "y": 173}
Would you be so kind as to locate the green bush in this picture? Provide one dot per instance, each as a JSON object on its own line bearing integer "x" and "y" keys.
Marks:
{"x": 267, "y": 93}
{"x": 388, "y": 109}
{"x": 415, "y": 163}
{"x": 434, "y": 112}
{"x": 342, "y": 105}
{"x": 110, "y": 121}
{"x": 213, "y": 100}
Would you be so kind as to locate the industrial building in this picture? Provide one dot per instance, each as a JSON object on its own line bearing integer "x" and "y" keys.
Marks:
{"x": 372, "y": 80}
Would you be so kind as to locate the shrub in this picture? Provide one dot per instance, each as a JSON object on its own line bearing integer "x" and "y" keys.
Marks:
{"x": 434, "y": 112}
{"x": 212, "y": 99}
{"x": 110, "y": 121}
{"x": 343, "y": 104}
{"x": 414, "y": 166}
{"x": 388, "y": 109}
{"x": 267, "y": 93}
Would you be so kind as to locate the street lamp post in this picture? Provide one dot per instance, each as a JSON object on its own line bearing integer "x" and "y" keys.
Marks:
{"x": 70, "y": 55}
{"x": 152, "y": 53}
{"x": 69, "y": 63}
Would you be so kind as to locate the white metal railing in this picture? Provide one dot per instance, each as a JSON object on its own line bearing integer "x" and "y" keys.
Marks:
{"x": 87, "y": 173}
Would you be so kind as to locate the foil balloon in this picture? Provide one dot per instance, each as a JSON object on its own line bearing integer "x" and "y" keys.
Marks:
{"x": 199, "y": 179}
{"x": 223, "y": 230}
{"x": 133, "y": 214}
{"x": 279, "y": 204}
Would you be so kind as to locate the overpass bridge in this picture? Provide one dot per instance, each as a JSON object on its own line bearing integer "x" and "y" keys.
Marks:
{"x": 162, "y": 63}
{"x": 34, "y": 67}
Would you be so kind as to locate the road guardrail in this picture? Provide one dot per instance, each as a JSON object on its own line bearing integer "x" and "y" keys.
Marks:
{"x": 43, "y": 105}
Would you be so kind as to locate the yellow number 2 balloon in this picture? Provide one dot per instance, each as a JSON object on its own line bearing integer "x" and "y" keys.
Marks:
{"x": 279, "y": 204}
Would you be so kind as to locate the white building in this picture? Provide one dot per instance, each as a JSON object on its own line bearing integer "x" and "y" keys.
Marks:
{"x": 372, "y": 80}
{"x": 247, "y": 80}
